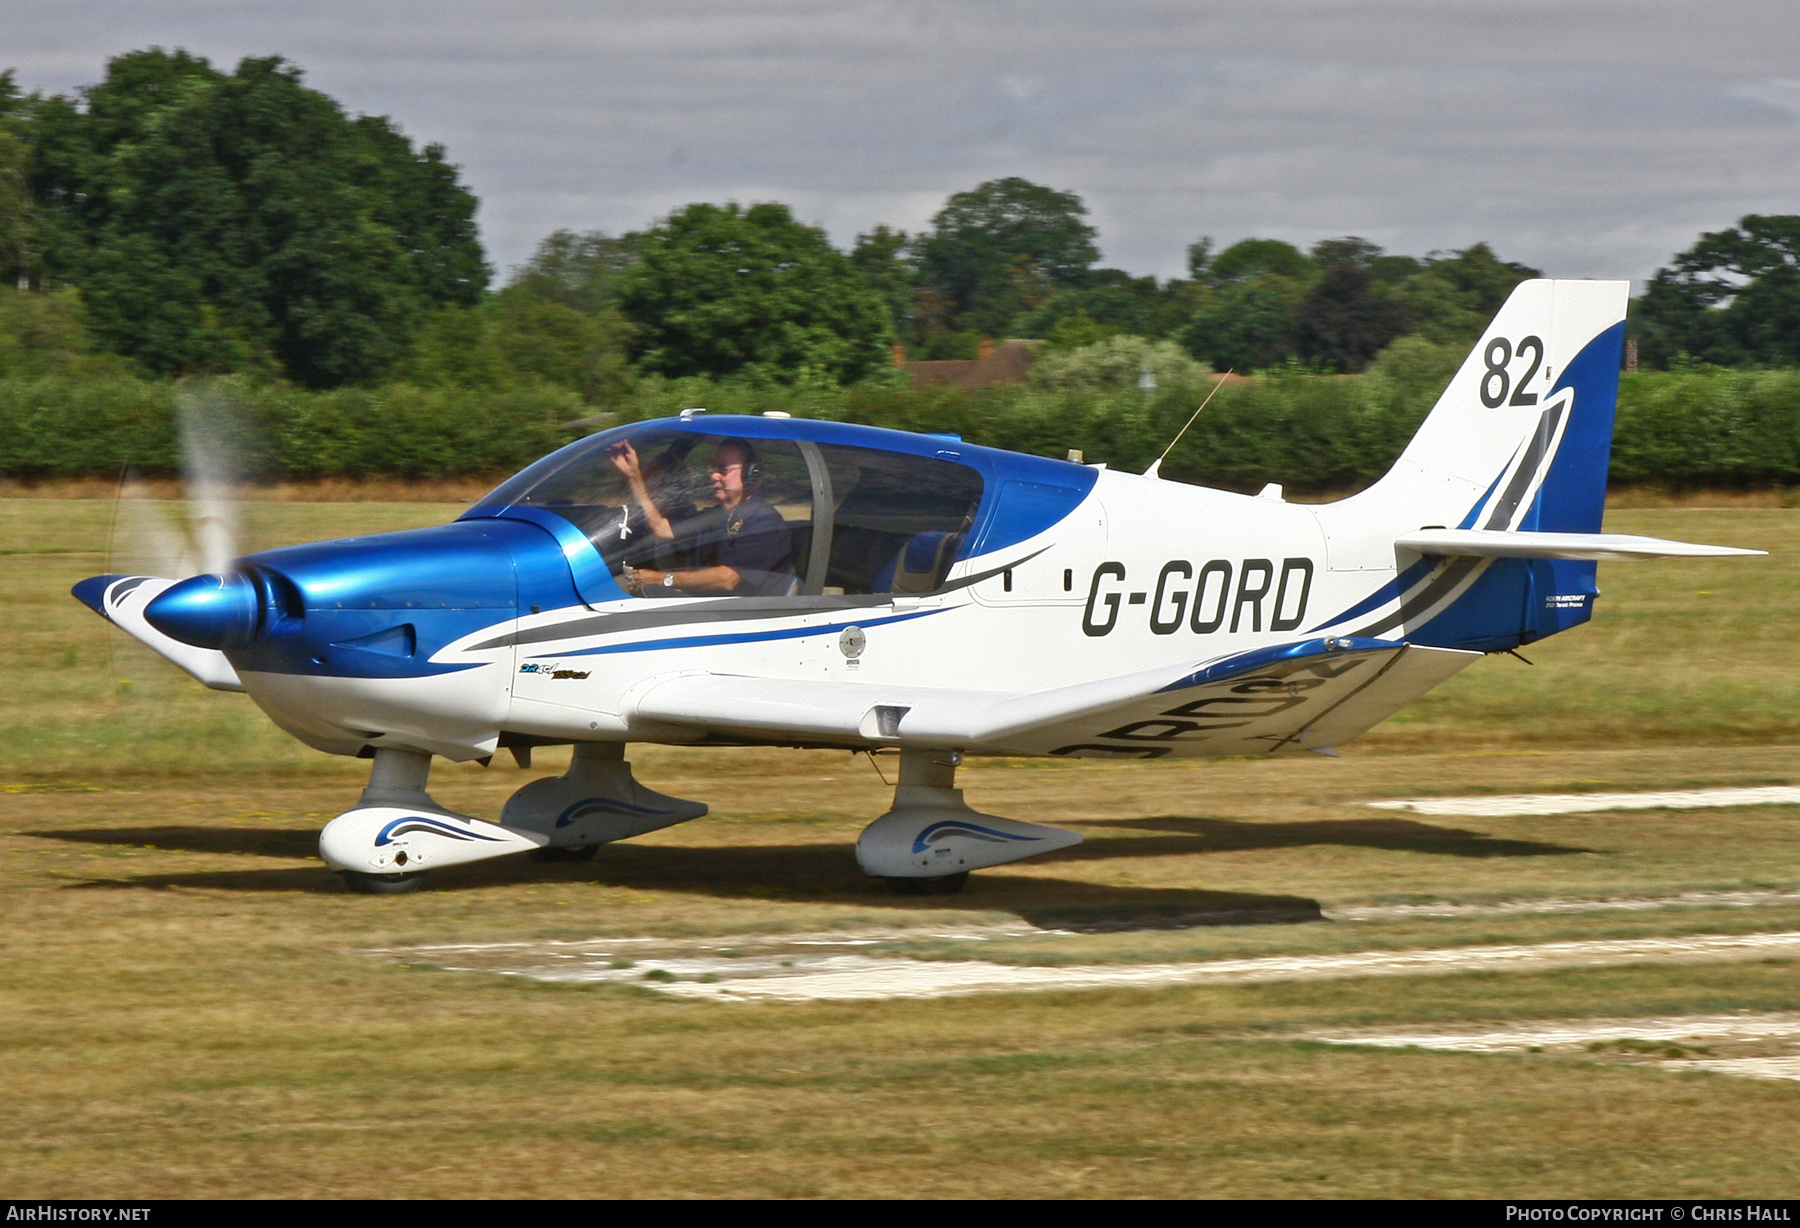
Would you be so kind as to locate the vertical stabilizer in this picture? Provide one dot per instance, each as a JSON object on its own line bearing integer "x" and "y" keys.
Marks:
{"x": 1521, "y": 437}
{"x": 1520, "y": 440}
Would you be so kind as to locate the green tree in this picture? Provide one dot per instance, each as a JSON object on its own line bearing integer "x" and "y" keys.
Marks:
{"x": 1199, "y": 258}
{"x": 1077, "y": 331}
{"x": 1115, "y": 364}
{"x": 1457, "y": 294}
{"x": 1352, "y": 250}
{"x": 518, "y": 340}
{"x": 1732, "y": 298}
{"x": 1246, "y": 325}
{"x": 1417, "y": 369}
{"x": 1348, "y": 316}
{"x": 221, "y": 221}
{"x": 883, "y": 259}
{"x": 947, "y": 346}
{"x": 579, "y": 271}
{"x": 1248, "y": 258}
{"x": 1386, "y": 270}
{"x": 1003, "y": 248}
{"x": 1115, "y": 300}
{"x": 46, "y": 333}
{"x": 19, "y": 238}
{"x": 724, "y": 290}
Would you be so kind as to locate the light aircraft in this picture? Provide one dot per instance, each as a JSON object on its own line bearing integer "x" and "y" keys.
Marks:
{"x": 716, "y": 580}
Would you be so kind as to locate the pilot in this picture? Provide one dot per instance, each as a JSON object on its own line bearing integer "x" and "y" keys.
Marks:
{"x": 747, "y": 549}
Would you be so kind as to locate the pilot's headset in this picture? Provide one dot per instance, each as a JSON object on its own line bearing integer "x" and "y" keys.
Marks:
{"x": 753, "y": 472}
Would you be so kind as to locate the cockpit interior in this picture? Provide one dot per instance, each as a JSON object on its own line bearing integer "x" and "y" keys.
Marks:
{"x": 789, "y": 517}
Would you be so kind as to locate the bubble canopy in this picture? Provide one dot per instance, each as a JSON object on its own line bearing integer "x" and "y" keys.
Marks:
{"x": 742, "y": 506}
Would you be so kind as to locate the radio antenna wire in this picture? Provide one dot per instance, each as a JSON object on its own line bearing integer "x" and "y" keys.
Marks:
{"x": 1155, "y": 469}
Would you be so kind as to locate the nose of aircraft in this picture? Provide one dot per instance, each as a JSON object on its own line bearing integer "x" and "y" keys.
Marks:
{"x": 208, "y": 611}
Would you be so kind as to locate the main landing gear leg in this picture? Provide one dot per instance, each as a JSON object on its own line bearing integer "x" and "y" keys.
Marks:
{"x": 930, "y": 840}
{"x": 384, "y": 843}
{"x": 597, "y": 801}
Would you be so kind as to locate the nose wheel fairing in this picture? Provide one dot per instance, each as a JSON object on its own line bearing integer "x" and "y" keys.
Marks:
{"x": 411, "y": 839}
{"x": 397, "y": 828}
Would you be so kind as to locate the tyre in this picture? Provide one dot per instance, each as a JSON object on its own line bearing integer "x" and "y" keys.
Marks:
{"x": 578, "y": 852}
{"x": 383, "y": 884}
{"x": 947, "y": 884}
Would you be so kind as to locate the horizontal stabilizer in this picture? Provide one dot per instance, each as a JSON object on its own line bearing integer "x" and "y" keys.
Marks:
{"x": 1496, "y": 544}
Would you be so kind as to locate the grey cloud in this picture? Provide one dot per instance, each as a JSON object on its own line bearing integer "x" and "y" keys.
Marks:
{"x": 1591, "y": 138}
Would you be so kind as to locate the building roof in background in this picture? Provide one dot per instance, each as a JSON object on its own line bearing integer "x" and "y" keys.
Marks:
{"x": 1007, "y": 363}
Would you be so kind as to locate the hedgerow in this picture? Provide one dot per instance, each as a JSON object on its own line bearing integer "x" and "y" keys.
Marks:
{"x": 1309, "y": 432}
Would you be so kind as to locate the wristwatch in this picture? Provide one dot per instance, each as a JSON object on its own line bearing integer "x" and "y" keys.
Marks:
{"x": 668, "y": 579}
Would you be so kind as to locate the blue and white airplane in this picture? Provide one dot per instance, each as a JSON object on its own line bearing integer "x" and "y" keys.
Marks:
{"x": 771, "y": 581}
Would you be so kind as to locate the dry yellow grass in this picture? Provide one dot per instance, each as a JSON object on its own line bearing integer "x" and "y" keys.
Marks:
{"x": 188, "y": 1006}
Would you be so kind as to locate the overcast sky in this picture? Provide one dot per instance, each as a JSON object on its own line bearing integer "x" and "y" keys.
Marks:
{"x": 1587, "y": 137}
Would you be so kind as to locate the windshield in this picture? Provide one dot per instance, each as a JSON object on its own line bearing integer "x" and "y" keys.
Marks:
{"x": 680, "y": 513}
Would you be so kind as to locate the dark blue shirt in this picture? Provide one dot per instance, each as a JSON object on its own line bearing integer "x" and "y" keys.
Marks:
{"x": 754, "y": 541}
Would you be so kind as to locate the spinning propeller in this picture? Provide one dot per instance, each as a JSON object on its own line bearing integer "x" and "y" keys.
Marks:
{"x": 147, "y": 538}
{"x": 210, "y": 605}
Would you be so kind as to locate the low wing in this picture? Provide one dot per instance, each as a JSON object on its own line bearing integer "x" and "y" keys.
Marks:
{"x": 1306, "y": 696}
{"x": 120, "y": 600}
{"x": 1498, "y": 544}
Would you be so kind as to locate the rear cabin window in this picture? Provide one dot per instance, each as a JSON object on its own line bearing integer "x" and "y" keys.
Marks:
{"x": 899, "y": 521}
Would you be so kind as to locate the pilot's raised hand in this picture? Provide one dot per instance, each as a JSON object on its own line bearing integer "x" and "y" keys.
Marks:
{"x": 625, "y": 460}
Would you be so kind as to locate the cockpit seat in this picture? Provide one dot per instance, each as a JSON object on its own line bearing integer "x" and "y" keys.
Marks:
{"x": 920, "y": 565}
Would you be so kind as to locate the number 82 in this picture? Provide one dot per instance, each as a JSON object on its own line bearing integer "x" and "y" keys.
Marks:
{"x": 1499, "y": 353}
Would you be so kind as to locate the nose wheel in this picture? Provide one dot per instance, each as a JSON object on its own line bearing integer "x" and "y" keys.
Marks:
{"x": 571, "y": 852}
{"x": 383, "y": 884}
{"x": 944, "y": 884}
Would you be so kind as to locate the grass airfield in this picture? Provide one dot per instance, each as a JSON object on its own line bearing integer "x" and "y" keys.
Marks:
{"x": 190, "y": 1005}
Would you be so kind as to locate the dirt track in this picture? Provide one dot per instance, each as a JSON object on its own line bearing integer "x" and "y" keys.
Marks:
{"x": 831, "y": 967}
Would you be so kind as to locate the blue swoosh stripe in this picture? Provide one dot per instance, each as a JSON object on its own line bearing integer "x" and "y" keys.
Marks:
{"x": 604, "y": 805}
{"x": 1257, "y": 658}
{"x": 922, "y": 841}
{"x": 752, "y": 637}
{"x": 436, "y": 827}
